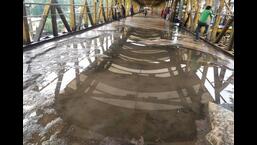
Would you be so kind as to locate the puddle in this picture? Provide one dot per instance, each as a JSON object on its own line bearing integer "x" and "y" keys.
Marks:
{"x": 116, "y": 88}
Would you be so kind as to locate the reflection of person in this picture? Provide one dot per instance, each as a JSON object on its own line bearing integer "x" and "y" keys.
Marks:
{"x": 162, "y": 12}
{"x": 195, "y": 64}
{"x": 203, "y": 22}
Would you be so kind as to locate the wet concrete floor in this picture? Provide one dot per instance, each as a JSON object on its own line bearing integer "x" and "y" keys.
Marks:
{"x": 137, "y": 81}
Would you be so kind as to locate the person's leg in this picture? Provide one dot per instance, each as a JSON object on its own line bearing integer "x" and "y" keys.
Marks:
{"x": 197, "y": 31}
{"x": 206, "y": 29}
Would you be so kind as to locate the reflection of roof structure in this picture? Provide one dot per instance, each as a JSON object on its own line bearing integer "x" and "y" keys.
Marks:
{"x": 134, "y": 83}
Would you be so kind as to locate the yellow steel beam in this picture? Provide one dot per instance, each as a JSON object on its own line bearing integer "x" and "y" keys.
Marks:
{"x": 42, "y": 22}
{"x": 85, "y": 14}
{"x": 190, "y": 15}
{"x": 107, "y": 10}
{"x": 224, "y": 30}
{"x": 217, "y": 21}
{"x": 197, "y": 14}
{"x": 85, "y": 17}
{"x": 95, "y": 12}
{"x": 99, "y": 10}
{"x": 82, "y": 13}
{"x": 187, "y": 9}
{"x": 208, "y": 2}
{"x": 26, "y": 37}
{"x": 72, "y": 16}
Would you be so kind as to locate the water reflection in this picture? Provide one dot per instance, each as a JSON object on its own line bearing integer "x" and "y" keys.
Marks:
{"x": 108, "y": 86}
{"x": 136, "y": 83}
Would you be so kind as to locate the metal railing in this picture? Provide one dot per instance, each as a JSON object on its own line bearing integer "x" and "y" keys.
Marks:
{"x": 83, "y": 15}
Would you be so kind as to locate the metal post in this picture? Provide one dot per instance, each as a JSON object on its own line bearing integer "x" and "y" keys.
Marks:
{"x": 217, "y": 85}
{"x": 99, "y": 11}
{"x": 59, "y": 10}
{"x": 85, "y": 16}
{"x": 95, "y": 12}
{"x": 107, "y": 10}
{"x": 42, "y": 22}
{"x": 53, "y": 19}
{"x": 197, "y": 14}
{"x": 217, "y": 21}
{"x": 26, "y": 37}
{"x": 230, "y": 21}
{"x": 186, "y": 11}
{"x": 72, "y": 16}
{"x": 231, "y": 41}
{"x": 190, "y": 16}
{"x": 181, "y": 2}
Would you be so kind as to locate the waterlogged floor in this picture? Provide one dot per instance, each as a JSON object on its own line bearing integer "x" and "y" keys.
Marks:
{"x": 137, "y": 81}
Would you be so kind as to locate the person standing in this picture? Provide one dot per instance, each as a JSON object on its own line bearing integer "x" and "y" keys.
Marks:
{"x": 131, "y": 11}
{"x": 118, "y": 11}
{"x": 123, "y": 11}
{"x": 203, "y": 22}
{"x": 145, "y": 11}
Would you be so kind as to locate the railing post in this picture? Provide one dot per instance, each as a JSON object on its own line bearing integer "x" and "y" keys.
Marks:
{"x": 95, "y": 12}
{"x": 72, "y": 16}
{"x": 197, "y": 13}
{"x": 217, "y": 21}
{"x": 226, "y": 27}
{"x": 231, "y": 40}
{"x": 26, "y": 37}
{"x": 53, "y": 19}
{"x": 107, "y": 11}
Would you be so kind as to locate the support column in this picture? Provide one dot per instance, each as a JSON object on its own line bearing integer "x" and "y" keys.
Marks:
{"x": 181, "y": 3}
{"x": 197, "y": 14}
{"x": 72, "y": 16}
{"x": 231, "y": 40}
{"x": 217, "y": 21}
{"x": 53, "y": 19}
{"x": 26, "y": 37}
{"x": 61, "y": 14}
{"x": 226, "y": 27}
{"x": 42, "y": 22}
{"x": 95, "y": 12}
{"x": 107, "y": 10}
{"x": 85, "y": 16}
